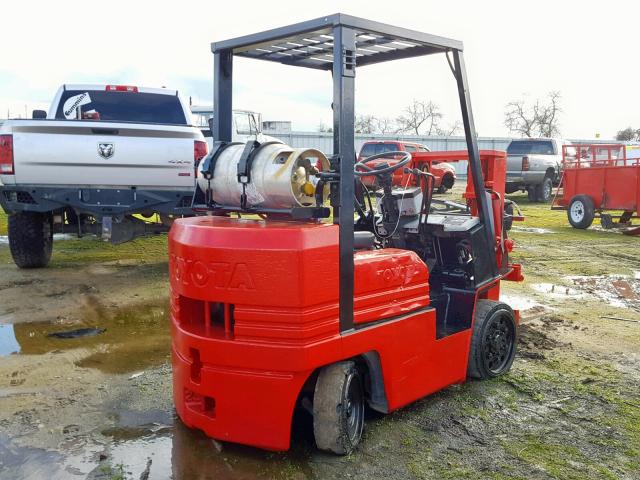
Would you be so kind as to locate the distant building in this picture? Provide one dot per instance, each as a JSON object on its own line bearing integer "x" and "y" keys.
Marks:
{"x": 276, "y": 126}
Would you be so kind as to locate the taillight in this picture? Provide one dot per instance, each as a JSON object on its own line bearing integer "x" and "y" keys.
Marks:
{"x": 121, "y": 88}
{"x": 525, "y": 164}
{"x": 200, "y": 150}
{"x": 6, "y": 155}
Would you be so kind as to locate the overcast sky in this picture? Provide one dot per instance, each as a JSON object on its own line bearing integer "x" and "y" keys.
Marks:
{"x": 586, "y": 50}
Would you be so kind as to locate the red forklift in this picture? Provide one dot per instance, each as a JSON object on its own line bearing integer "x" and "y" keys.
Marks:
{"x": 598, "y": 180}
{"x": 299, "y": 290}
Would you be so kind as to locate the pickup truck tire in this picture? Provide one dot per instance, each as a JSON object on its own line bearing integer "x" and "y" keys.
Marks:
{"x": 511, "y": 188}
{"x": 508, "y": 219}
{"x": 531, "y": 194}
{"x": 31, "y": 239}
{"x": 544, "y": 191}
{"x": 581, "y": 212}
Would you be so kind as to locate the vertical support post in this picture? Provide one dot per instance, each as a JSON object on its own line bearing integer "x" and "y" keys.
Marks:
{"x": 222, "y": 96}
{"x": 475, "y": 168}
{"x": 344, "y": 69}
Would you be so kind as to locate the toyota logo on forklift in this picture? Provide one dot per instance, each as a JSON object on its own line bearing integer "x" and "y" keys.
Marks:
{"x": 343, "y": 314}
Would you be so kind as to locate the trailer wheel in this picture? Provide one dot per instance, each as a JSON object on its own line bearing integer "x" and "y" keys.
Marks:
{"x": 606, "y": 221}
{"x": 338, "y": 408}
{"x": 581, "y": 212}
{"x": 31, "y": 239}
{"x": 544, "y": 191}
{"x": 493, "y": 341}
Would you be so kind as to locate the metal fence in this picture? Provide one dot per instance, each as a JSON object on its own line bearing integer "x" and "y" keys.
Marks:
{"x": 323, "y": 141}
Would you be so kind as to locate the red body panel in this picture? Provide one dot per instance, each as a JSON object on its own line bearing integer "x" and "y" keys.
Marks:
{"x": 603, "y": 173}
{"x": 238, "y": 378}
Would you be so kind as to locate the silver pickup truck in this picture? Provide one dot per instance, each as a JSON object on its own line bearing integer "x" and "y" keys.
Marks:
{"x": 534, "y": 165}
{"x": 101, "y": 158}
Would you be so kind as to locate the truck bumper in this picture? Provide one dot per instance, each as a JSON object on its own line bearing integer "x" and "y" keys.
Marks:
{"x": 108, "y": 201}
{"x": 525, "y": 178}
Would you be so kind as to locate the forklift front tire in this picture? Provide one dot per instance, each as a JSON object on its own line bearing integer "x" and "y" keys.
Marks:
{"x": 338, "y": 408}
{"x": 493, "y": 341}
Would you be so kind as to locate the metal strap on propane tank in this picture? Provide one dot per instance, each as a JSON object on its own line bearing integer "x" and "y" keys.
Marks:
{"x": 251, "y": 148}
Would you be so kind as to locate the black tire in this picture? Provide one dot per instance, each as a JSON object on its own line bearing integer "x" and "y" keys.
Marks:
{"x": 508, "y": 218}
{"x": 31, "y": 239}
{"x": 493, "y": 341}
{"x": 447, "y": 183}
{"x": 338, "y": 408}
{"x": 442, "y": 189}
{"x": 531, "y": 194}
{"x": 544, "y": 191}
{"x": 511, "y": 188}
{"x": 581, "y": 212}
{"x": 606, "y": 221}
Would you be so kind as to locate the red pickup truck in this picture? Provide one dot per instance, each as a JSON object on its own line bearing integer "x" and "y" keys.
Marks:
{"x": 445, "y": 174}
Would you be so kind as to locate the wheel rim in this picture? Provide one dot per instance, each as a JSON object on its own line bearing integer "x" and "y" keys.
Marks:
{"x": 354, "y": 411}
{"x": 499, "y": 341}
{"x": 547, "y": 190}
{"x": 577, "y": 211}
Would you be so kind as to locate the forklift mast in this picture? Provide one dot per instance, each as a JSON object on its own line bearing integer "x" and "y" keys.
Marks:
{"x": 340, "y": 43}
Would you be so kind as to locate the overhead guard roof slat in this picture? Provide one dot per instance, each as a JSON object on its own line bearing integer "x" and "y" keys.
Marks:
{"x": 310, "y": 44}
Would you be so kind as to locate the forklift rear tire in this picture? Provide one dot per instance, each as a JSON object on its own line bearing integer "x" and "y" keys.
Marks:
{"x": 493, "y": 342}
{"x": 338, "y": 408}
{"x": 581, "y": 212}
{"x": 31, "y": 239}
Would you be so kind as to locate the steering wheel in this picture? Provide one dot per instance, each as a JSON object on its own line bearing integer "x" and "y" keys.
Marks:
{"x": 360, "y": 169}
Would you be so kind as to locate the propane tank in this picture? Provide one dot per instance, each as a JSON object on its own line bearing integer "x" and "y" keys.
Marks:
{"x": 282, "y": 177}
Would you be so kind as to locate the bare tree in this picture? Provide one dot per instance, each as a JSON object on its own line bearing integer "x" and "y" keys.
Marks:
{"x": 628, "y": 135}
{"x": 451, "y": 129}
{"x": 322, "y": 127}
{"x": 537, "y": 120}
{"x": 385, "y": 125}
{"x": 365, "y": 124}
{"x": 420, "y": 117}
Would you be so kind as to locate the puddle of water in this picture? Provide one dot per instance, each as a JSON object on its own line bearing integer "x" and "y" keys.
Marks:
{"x": 182, "y": 453}
{"x": 541, "y": 231}
{"x": 135, "y": 337}
{"x": 175, "y": 452}
{"x": 8, "y": 342}
{"x": 23, "y": 462}
{"x": 4, "y": 239}
{"x": 557, "y": 291}
{"x": 519, "y": 302}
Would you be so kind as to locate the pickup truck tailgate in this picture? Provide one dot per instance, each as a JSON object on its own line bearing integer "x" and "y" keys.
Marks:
{"x": 514, "y": 164}
{"x": 52, "y": 152}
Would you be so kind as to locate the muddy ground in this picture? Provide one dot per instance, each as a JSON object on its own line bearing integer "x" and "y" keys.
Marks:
{"x": 100, "y": 407}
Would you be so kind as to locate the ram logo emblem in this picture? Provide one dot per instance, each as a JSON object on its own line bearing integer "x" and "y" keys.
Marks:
{"x": 106, "y": 150}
